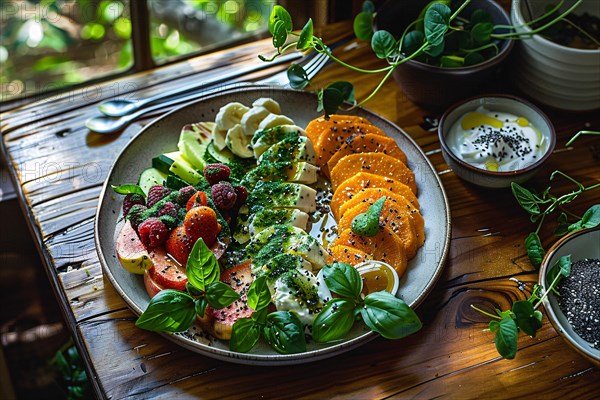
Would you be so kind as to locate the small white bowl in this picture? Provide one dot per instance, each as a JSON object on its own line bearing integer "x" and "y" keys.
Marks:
{"x": 559, "y": 76}
{"x": 379, "y": 270}
{"x": 501, "y": 103}
{"x": 580, "y": 245}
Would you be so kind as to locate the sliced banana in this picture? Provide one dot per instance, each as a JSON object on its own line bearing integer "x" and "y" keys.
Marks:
{"x": 268, "y": 103}
{"x": 252, "y": 118}
{"x": 230, "y": 115}
{"x": 219, "y": 137}
{"x": 238, "y": 142}
{"x": 272, "y": 120}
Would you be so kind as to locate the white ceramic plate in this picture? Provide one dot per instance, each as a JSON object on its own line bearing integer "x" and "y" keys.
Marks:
{"x": 161, "y": 136}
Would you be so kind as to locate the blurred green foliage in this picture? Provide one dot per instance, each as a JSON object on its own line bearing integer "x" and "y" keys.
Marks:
{"x": 49, "y": 44}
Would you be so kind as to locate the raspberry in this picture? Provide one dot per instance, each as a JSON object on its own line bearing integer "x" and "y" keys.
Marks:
{"x": 242, "y": 194}
{"x": 169, "y": 209}
{"x": 135, "y": 214}
{"x": 155, "y": 194}
{"x": 224, "y": 196}
{"x": 215, "y": 173}
{"x": 153, "y": 232}
{"x": 130, "y": 200}
{"x": 185, "y": 194}
{"x": 170, "y": 222}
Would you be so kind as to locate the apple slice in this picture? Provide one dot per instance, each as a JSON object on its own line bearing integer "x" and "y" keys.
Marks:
{"x": 131, "y": 252}
{"x": 152, "y": 288}
{"x": 166, "y": 271}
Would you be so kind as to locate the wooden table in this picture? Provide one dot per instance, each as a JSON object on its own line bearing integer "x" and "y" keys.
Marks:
{"x": 59, "y": 168}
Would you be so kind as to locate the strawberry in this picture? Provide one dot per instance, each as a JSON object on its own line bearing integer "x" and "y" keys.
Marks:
{"x": 201, "y": 222}
{"x": 197, "y": 199}
{"x": 179, "y": 245}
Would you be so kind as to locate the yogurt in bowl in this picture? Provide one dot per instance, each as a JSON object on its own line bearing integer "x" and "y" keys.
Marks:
{"x": 493, "y": 140}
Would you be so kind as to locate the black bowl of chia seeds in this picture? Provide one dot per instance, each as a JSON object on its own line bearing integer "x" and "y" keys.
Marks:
{"x": 575, "y": 311}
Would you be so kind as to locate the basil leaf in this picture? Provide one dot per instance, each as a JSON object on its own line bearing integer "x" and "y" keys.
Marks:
{"x": 525, "y": 198}
{"x": 260, "y": 316}
{"x": 259, "y": 296}
{"x": 437, "y": 19}
{"x": 330, "y": 102}
{"x": 346, "y": 88}
{"x": 389, "y": 316}
{"x": 506, "y": 337}
{"x": 202, "y": 267}
{"x": 525, "y": 318}
{"x": 280, "y": 14}
{"x": 383, "y": 44}
{"x": 343, "y": 279}
{"x": 535, "y": 250}
{"x": 367, "y": 223}
{"x": 220, "y": 295}
{"x": 284, "y": 332}
{"x": 169, "y": 311}
{"x": 128, "y": 188}
{"x": 297, "y": 77}
{"x": 334, "y": 321}
{"x": 200, "y": 306}
{"x": 306, "y": 35}
{"x": 482, "y": 32}
{"x": 363, "y": 25}
{"x": 279, "y": 34}
{"x": 590, "y": 219}
{"x": 244, "y": 335}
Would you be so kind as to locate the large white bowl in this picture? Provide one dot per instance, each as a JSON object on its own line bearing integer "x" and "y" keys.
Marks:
{"x": 556, "y": 75}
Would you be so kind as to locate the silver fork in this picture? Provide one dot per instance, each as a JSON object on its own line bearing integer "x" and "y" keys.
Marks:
{"x": 104, "y": 124}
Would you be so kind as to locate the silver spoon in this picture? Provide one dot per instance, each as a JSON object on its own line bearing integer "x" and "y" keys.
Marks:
{"x": 121, "y": 107}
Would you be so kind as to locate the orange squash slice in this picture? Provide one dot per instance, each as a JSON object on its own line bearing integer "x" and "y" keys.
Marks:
{"x": 316, "y": 126}
{"x": 374, "y": 163}
{"x": 333, "y": 138}
{"x": 366, "y": 143}
{"x": 364, "y": 180}
{"x": 391, "y": 218}
{"x": 385, "y": 246}
{"x": 346, "y": 254}
{"x": 400, "y": 203}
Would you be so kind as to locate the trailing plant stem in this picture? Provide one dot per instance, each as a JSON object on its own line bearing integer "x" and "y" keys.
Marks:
{"x": 485, "y": 312}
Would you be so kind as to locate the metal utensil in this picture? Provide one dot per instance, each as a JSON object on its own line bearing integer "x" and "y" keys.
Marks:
{"x": 121, "y": 107}
{"x": 105, "y": 124}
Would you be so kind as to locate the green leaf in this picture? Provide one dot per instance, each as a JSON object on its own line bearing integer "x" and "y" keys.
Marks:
{"x": 389, "y": 316}
{"x": 590, "y": 219}
{"x": 363, "y": 25}
{"x": 482, "y": 32}
{"x": 507, "y": 334}
{"x": 437, "y": 19}
{"x": 280, "y": 14}
{"x": 279, "y": 34}
{"x": 413, "y": 40}
{"x": 452, "y": 61}
{"x": 473, "y": 58}
{"x": 367, "y": 223}
{"x": 535, "y": 250}
{"x": 480, "y": 15}
{"x": 346, "y": 88}
{"x": 562, "y": 227}
{"x": 259, "y": 296}
{"x": 525, "y": 318}
{"x": 435, "y": 51}
{"x": 169, "y": 311}
{"x": 297, "y": 77}
{"x": 220, "y": 295}
{"x": 127, "y": 189}
{"x": 200, "y": 306}
{"x": 368, "y": 6}
{"x": 383, "y": 44}
{"x": 330, "y": 101}
{"x": 244, "y": 335}
{"x": 285, "y": 332}
{"x": 525, "y": 198}
{"x": 343, "y": 279}
{"x": 306, "y": 36}
{"x": 202, "y": 267}
{"x": 334, "y": 321}
{"x": 561, "y": 267}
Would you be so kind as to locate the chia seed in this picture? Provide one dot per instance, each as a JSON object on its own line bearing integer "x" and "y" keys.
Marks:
{"x": 579, "y": 299}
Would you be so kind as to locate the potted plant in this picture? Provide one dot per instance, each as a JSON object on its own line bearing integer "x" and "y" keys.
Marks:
{"x": 420, "y": 40}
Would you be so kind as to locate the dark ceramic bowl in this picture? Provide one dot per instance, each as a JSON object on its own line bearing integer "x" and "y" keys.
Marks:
{"x": 436, "y": 87}
{"x": 501, "y": 103}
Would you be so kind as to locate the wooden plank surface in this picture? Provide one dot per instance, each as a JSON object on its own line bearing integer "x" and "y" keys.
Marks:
{"x": 60, "y": 166}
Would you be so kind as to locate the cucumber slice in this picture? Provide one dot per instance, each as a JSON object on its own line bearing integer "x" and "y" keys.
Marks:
{"x": 223, "y": 156}
{"x": 164, "y": 161}
{"x": 175, "y": 183}
{"x": 150, "y": 177}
